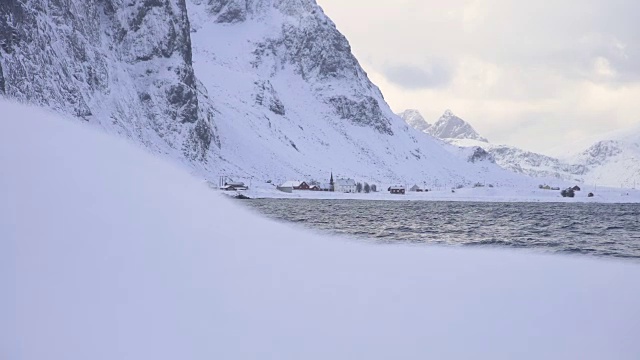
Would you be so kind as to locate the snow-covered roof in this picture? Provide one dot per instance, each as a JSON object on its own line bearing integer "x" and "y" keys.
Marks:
{"x": 234, "y": 183}
{"x": 345, "y": 182}
{"x": 396, "y": 187}
{"x": 291, "y": 183}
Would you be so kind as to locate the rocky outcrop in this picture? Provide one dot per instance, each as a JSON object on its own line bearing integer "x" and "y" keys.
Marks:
{"x": 267, "y": 96}
{"x": 365, "y": 112}
{"x": 480, "y": 154}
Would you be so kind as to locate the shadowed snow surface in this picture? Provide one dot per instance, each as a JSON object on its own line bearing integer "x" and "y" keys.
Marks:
{"x": 110, "y": 253}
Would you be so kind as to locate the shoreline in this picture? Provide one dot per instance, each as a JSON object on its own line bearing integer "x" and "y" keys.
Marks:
{"x": 494, "y": 195}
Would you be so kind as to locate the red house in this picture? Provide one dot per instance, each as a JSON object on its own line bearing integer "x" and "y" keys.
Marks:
{"x": 296, "y": 185}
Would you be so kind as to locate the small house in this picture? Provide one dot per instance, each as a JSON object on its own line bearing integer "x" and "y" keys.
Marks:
{"x": 415, "y": 188}
{"x": 576, "y": 188}
{"x": 234, "y": 186}
{"x": 303, "y": 186}
{"x": 345, "y": 185}
{"x": 315, "y": 188}
{"x": 295, "y": 185}
{"x": 396, "y": 190}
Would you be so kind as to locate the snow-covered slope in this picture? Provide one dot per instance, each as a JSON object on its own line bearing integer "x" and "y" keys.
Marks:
{"x": 110, "y": 253}
{"x": 415, "y": 120}
{"x": 263, "y": 89}
{"x": 613, "y": 162}
{"x": 450, "y": 126}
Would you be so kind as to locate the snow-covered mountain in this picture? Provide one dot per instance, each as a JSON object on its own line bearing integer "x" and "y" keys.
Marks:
{"x": 267, "y": 89}
{"x": 450, "y": 126}
{"x": 415, "y": 120}
{"x": 612, "y": 162}
{"x": 609, "y": 162}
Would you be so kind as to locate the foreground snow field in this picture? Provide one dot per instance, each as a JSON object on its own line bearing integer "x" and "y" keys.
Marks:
{"x": 110, "y": 253}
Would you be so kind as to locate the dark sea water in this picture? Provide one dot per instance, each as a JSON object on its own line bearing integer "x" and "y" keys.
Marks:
{"x": 609, "y": 230}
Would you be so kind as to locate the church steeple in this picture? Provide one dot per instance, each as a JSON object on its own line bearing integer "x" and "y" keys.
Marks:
{"x": 331, "y": 187}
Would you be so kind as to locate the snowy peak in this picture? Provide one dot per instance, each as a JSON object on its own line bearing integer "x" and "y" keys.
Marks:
{"x": 414, "y": 119}
{"x": 450, "y": 126}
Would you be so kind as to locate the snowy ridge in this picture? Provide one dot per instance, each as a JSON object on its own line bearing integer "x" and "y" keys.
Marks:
{"x": 120, "y": 255}
{"x": 527, "y": 162}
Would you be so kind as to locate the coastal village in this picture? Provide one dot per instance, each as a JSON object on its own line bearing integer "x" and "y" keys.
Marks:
{"x": 347, "y": 185}
{"x": 340, "y": 185}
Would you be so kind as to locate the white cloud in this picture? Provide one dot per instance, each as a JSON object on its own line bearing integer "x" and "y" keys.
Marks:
{"x": 603, "y": 68}
{"x": 530, "y": 74}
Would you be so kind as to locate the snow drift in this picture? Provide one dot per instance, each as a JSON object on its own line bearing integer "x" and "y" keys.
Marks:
{"x": 107, "y": 252}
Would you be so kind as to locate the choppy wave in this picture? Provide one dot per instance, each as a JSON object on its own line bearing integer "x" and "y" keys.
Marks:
{"x": 609, "y": 230}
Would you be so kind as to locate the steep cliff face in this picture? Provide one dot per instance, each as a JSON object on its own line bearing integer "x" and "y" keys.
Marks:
{"x": 122, "y": 63}
{"x": 1, "y": 80}
{"x": 315, "y": 50}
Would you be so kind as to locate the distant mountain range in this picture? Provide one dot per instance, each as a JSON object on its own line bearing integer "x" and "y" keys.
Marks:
{"x": 612, "y": 162}
{"x": 449, "y": 126}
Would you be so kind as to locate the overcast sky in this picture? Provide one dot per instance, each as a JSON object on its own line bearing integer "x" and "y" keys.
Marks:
{"x": 535, "y": 74}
